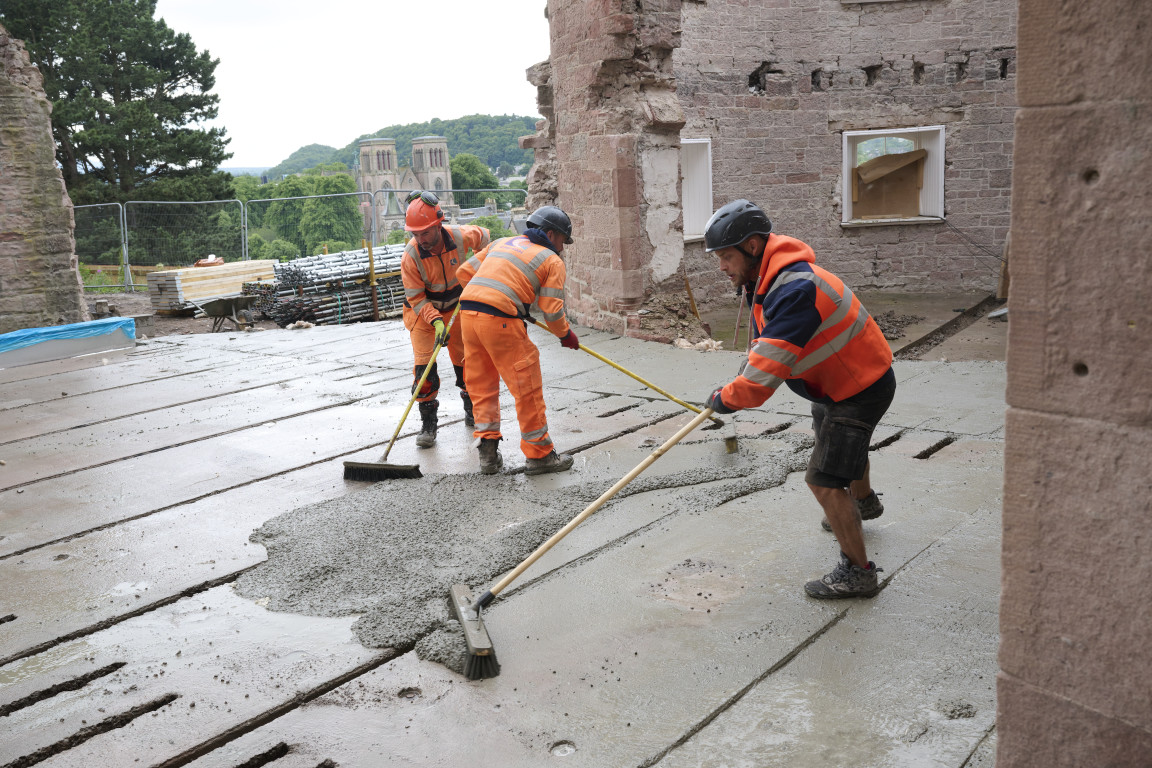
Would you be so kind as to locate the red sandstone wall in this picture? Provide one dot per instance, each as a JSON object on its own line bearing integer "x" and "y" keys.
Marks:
{"x": 39, "y": 282}
{"x": 1075, "y": 687}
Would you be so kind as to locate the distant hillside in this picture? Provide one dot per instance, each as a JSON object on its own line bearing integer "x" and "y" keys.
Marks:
{"x": 492, "y": 138}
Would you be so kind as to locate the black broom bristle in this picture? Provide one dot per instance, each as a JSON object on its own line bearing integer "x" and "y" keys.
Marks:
{"x": 361, "y": 470}
{"x": 481, "y": 667}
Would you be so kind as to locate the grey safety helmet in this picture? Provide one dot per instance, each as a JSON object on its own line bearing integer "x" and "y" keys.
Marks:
{"x": 550, "y": 217}
{"x": 733, "y": 224}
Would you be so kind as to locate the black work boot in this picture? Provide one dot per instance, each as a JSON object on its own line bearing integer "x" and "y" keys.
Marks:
{"x": 469, "y": 421}
{"x": 553, "y": 462}
{"x": 846, "y": 580}
{"x": 427, "y": 436}
{"x": 490, "y": 458}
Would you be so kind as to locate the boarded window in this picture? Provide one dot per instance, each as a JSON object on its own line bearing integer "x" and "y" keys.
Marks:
{"x": 894, "y": 176}
{"x": 696, "y": 185}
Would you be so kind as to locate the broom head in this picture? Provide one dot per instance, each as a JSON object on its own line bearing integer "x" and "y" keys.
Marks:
{"x": 480, "y": 662}
{"x": 372, "y": 473}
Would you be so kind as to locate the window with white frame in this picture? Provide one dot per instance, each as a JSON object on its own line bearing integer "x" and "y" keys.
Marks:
{"x": 696, "y": 185}
{"x": 893, "y": 176}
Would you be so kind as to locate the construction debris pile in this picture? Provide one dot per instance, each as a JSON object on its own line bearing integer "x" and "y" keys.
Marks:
{"x": 331, "y": 289}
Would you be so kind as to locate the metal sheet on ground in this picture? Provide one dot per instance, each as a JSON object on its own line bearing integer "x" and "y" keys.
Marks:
{"x": 224, "y": 659}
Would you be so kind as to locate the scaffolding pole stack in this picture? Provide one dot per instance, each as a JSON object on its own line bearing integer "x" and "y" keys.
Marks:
{"x": 332, "y": 289}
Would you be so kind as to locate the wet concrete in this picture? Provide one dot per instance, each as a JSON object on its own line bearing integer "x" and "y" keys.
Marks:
{"x": 667, "y": 629}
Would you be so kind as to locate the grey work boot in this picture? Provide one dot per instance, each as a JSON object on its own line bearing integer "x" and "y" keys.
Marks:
{"x": 868, "y": 508}
{"x": 553, "y": 462}
{"x": 846, "y": 580}
{"x": 427, "y": 436}
{"x": 490, "y": 459}
{"x": 469, "y": 421}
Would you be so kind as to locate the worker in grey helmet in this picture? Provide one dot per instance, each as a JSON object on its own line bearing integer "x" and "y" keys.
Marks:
{"x": 500, "y": 283}
{"x": 812, "y": 334}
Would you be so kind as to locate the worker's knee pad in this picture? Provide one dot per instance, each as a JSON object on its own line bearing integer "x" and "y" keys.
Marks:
{"x": 431, "y": 384}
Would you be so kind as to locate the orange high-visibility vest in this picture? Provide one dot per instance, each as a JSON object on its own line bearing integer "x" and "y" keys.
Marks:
{"x": 810, "y": 329}
{"x": 511, "y": 274}
{"x": 430, "y": 282}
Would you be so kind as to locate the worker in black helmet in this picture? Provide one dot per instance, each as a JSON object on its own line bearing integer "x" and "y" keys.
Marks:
{"x": 500, "y": 283}
{"x": 814, "y": 335}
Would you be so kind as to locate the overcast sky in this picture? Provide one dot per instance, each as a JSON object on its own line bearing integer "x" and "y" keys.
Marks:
{"x": 294, "y": 73}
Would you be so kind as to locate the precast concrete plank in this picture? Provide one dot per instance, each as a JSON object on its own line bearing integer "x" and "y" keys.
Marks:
{"x": 985, "y": 339}
{"x": 974, "y": 403}
{"x": 110, "y": 376}
{"x": 51, "y": 509}
{"x": 222, "y": 660}
{"x": 295, "y": 342}
{"x": 106, "y": 405}
{"x": 38, "y": 370}
{"x": 615, "y": 659}
{"x": 73, "y": 586}
{"x": 926, "y": 311}
{"x": 36, "y": 458}
{"x": 907, "y": 679}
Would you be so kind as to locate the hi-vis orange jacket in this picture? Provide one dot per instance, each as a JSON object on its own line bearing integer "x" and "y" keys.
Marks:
{"x": 430, "y": 284}
{"x": 811, "y": 332}
{"x": 512, "y": 273}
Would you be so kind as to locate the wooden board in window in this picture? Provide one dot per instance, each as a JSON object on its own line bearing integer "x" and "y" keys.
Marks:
{"x": 888, "y": 187}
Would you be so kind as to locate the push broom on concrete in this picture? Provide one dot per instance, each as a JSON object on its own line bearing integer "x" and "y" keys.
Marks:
{"x": 481, "y": 660}
{"x": 730, "y": 444}
{"x": 381, "y": 470}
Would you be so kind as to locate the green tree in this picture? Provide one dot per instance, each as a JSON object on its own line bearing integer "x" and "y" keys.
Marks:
{"x": 397, "y": 236}
{"x": 331, "y": 219}
{"x": 283, "y": 215}
{"x": 469, "y": 172}
{"x": 494, "y": 226}
{"x": 505, "y": 169}
{"x": 281, "y": 250}
{"x": 127, "y": 93}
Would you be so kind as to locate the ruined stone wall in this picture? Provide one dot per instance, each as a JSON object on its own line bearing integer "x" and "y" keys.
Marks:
{"x": 613, "y": 126}
{"x": 39, "y": 281}
{"x": 775, "y": 83}
{"x": 1076, "y": 665}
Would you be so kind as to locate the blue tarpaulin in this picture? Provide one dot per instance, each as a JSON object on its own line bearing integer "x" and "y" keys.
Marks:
{"x": 29, "y": 336}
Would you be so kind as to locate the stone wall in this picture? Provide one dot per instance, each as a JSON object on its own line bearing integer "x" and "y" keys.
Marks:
{"x": 39, "y": 281}
{"x": 774, "y": 84}
{"x": 613, "y": 125}
{"x": 1076, "y": 665}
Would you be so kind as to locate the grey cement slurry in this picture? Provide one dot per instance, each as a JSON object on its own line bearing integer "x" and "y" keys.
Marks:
{"x": 390, "y": 552}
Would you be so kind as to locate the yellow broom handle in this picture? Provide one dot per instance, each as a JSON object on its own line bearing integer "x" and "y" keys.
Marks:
{"x": 627, "y": 372}
{"x": 504, "y": 582}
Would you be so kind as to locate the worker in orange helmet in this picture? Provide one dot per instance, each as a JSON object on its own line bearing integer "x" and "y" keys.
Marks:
{"x": 431, "y": 291}
{"x": 500, "y": 284}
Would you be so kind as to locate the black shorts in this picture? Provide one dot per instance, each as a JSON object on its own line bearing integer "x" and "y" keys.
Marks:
{"x": 843, "y": 432}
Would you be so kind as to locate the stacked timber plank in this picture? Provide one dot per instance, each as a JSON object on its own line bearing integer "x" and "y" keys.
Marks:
{"x": 174, "y": 290}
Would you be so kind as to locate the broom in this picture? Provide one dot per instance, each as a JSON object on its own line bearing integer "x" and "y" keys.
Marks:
{"x": 381, "y": 470}
{"x": 481, "y": 662}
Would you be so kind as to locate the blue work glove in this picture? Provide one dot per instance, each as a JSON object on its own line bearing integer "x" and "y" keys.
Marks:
{"x": 716, "y": 403}
{"x": 570, "y": 341}
{"x": 441, "y": 332}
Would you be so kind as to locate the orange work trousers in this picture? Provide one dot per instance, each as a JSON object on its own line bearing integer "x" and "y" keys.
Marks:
{"x": 499, "y": 348}
{"x": 423, "y": 342}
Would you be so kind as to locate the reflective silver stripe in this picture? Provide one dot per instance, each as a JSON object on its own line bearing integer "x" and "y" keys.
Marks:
{"x": 496, "y": 285}
{"x": 555, "y": 293}
{"x": 757, "y": 376}
{"x": 411, "y": 293}
{"x": 552, "y": 317}
{"x": 416, "y": 307}
{"x": 537, "y": 437}
{"x": 436, "y": 287}
{"x": 526, "y": 270}
{"x": 773, "y": 352}
{"x": 539, "y": 259}
{"x": 489, "y": 426}
{"x": 832, "y": 347}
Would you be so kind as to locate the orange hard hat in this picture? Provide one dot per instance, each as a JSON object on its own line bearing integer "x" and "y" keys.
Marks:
{"x": 421, "y": 216}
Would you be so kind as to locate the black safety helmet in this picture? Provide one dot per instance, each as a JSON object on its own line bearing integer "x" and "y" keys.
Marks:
{"x": 733, "y": 224}
{"x": 550, "y": 217}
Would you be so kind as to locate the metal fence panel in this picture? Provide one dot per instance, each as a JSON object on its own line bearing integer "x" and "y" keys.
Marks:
{"x": 177, "y": 234}
{"x": 99, "y": 236}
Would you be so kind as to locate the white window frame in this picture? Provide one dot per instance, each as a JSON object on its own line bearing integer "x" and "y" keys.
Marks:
{"x": 930, "y": 138}
{"x": 695, "y": 186}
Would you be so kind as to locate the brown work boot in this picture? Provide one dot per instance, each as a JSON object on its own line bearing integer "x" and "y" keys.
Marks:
{"x": 427, "y": 436}
{"x": 867, "y": 508}
{"x": 553, "y": 462}
{"x": 490, "y": 458}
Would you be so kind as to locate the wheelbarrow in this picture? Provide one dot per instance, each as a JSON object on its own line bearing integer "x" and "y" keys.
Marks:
{"x": 236, "y": 309}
